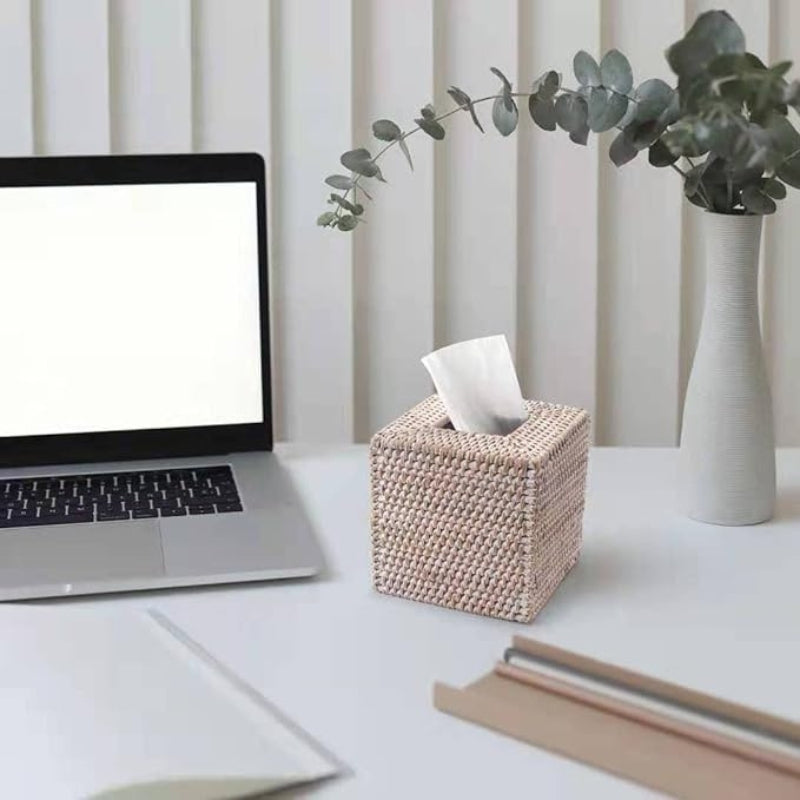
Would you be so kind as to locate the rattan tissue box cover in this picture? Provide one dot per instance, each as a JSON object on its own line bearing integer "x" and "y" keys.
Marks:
{"x": 481, "y": 523}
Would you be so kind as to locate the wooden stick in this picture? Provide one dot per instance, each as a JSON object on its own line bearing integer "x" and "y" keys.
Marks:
{"x": 698, "y": 702}
{"x": 652, "y": 719}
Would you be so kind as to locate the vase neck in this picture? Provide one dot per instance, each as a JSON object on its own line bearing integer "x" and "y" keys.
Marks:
{"x": 732, "y": 246}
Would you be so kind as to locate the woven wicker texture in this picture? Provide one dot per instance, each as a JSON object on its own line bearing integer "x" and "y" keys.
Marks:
{"x": 482, "y": 523}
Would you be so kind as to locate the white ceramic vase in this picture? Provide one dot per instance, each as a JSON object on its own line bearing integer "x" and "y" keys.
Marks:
{"x": 727, "y": 459}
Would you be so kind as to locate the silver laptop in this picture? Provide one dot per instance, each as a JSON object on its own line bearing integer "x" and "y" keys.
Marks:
{"x": 135, "y": 427}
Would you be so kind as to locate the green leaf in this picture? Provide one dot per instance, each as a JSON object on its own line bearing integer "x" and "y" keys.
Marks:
{"x": 693, "y": 178}
{"x": 622, "y": 150}
{"x": 606, "y": 109}
{"x": 543, "y": 112}
{"x": 504, "y": 118}
{"x": 404, "y": 148}
{"x": 587, "y": 72}
{"x": 791, "y": 95}
{"x": 546, "y": 85}
{"x": 360, "y": 161}
{"x": 465, "y": 101}
{"x": 659, "y": 155}
{"x": 506, "y": 82}
{"x": 789, "y": 171}
{"x": 428, "y": 112}
{"x": 644, "y": 134}
{"x": 774, "y": 188}
{"x": 713, "y": 33}
{"x": 431, "y": 127}
{"x": 615, "y": 72}
{"x": 386, "y": 130}
{"x": 781, "y": 68}
{"x": 342, "y": 182}
{"x": 653, "y": 98}
{"x": 581, "y": 135}
{"x": 325, "y": 219}
{"x": 572, "y": 112}
{"x": 756, "y": 202}
{"x": 347, "y": 222}
{"x": 346, "y": 204}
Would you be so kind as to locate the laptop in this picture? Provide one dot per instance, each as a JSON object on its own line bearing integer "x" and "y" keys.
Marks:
{"x": 135, "y": 424}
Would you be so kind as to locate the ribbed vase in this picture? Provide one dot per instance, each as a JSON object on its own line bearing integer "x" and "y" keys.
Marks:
{"x": 727, "y": 458}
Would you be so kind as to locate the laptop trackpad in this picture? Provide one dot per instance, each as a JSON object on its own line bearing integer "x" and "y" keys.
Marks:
{"x": 69, "y": 554}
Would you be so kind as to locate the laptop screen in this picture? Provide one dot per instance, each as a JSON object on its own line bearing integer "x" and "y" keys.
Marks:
{"x": 129, "y": 307}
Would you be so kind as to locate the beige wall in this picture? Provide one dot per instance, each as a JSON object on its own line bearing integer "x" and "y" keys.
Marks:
{"x": 593, "y": 273}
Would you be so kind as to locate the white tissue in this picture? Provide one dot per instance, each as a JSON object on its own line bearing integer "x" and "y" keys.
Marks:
{"x": 477, "y": 383}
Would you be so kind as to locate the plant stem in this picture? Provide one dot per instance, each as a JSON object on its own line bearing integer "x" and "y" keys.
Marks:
{"x": 404, "y": 136}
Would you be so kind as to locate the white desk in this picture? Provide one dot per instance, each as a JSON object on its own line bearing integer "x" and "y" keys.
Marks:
{"x": 715, "y": 608}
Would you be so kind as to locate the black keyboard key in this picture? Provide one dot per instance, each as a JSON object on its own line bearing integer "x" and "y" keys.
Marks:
{"x": 31, "y": 521}
{"x": 106, "y": 516}
{"x": 161, "y": 502}
{"x": 224, "y": 508}
{"x": 201, "y": 509}
{"x": 173, "y": 512}
{"x": 144, "y": 513}
{"x": 23, "y": 513}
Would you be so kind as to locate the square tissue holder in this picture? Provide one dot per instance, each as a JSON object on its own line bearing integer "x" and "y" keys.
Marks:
{"x": 477, "y": 522}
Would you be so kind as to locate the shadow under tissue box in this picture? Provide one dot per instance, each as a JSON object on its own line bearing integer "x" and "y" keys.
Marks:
{"x": 477, "y": 522}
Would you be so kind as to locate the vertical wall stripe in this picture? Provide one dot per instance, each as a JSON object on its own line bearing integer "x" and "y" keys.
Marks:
{"x": 782, "y": 325}
{"x": 480, "y": 172}
{"x": 557, "y": 218}
{"x": 640, "y": 256}
{"x": 71, "y": 81}
{"x": 16, "y": 79}
{"x": 151, "y": 75}
{"x": 313, "y": 284}
{"x": 393, "y": 78}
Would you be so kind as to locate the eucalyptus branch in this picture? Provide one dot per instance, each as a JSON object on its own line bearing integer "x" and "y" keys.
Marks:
{"x": 750, "y": 147}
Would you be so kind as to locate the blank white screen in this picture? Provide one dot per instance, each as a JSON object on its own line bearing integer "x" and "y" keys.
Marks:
{"x": 129, "y": 307}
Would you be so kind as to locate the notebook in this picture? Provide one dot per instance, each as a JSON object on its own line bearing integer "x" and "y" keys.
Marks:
{"x": 116, "y": 706}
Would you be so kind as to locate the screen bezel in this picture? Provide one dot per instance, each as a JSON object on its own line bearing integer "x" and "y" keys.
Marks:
{"x": 19, "y": 451}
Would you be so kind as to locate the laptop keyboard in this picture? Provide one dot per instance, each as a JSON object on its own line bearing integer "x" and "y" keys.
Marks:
{"x": 117, "y": 496}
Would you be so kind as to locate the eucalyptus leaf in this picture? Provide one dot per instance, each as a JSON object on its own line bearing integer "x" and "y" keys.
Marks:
{"x": 653, "y": 98}
{"x": 431, "y": 127}
{"x": 345, "y": 204}
{"x": 572, "y": 112}
{"x": 543, "y": 112}
{"x": 643, "y": 134}
{"x": 581, "y": 135}
{"x": 659, "y": 155}
{"x": 774, "y": 188}
{"x": 428, "y": 112}
{"x": 622, "y": 150}
{"x": 606, "y": 109}
{"x": 347, "y": 222}
{"x": 325, "y": 219}
{"x": 756, "y": 202}
{"x": 789, "y": 171}
{"x": 465, "y": 101}
{"x": 693, "y": 178}
{"x": 506, "y": 82}
{"x": 386, "y": 130}
{"x": 546, "y": 85}
{"x": 360, "y": 161}
{"x": 587, "y": 71}
{"x": 504, "y": 118}
{"x": 712, "y": 33}
{"x": 406, "y": 153}
{"x": 616, "y": 72}
{"x": 342, "y": 182}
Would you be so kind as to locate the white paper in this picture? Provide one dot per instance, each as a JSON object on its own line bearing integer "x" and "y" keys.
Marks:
{"x": 477, "y": 383}
{"x": 117, "y": 705}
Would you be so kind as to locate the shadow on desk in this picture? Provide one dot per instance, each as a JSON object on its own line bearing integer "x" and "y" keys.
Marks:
{"x": 788, "y": 503}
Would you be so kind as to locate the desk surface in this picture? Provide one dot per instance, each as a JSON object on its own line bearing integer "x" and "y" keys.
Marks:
{"x": 714, "y": 608}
